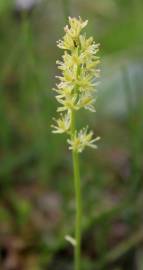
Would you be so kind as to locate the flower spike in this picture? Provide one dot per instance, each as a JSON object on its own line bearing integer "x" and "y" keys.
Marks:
{"x": 76, "y": 90}
{"x": 77, "y": 82}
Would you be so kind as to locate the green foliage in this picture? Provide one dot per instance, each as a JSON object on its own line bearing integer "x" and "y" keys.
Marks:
{"x": 31, "y": 155}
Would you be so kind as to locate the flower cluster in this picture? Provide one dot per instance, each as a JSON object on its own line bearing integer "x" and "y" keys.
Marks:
{"x": 82, "y": 139}
{"x": 77, "y": 85}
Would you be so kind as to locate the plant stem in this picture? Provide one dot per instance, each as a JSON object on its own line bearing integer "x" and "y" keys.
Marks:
{"x": 76, "y": 171}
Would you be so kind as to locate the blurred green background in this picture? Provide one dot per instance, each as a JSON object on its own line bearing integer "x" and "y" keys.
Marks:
{"x": 36, "y": 187}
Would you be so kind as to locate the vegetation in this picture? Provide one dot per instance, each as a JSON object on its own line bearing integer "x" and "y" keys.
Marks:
{"x": 36, "y": 188}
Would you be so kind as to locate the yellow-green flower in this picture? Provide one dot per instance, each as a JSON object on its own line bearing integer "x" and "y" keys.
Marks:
{"x": 72, "y": 33}
{"x": 62, "y": 124}
{"x": 77, "y": 82}
{"x": 81, "y": 140}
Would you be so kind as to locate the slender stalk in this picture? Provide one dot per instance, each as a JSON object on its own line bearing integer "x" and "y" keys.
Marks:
{"x": 77, "y": 251}
{"x": 73, "y": 95}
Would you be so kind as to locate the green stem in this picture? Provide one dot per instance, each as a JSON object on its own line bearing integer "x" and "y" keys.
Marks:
{"x": 78, "y": 200}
